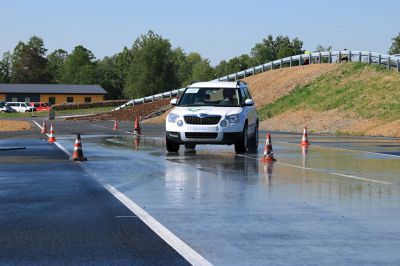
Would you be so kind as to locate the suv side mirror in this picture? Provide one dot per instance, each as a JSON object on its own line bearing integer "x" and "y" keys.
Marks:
{"x": 248, "y": 102}
{"x": 174, "y": 101}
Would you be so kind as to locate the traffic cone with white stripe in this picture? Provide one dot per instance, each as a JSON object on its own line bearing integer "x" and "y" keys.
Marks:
{"x": 44, "y": 128}
{"x": 268, "y": 152}
{"x": 115, "y": 125}
{"x": 78, "y": 153}
{"x": 137, "y": 130}
{"x": 304, "y": 140}
{"x": 52, "y": 138}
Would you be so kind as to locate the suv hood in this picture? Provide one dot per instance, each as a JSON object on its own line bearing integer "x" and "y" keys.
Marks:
{"x": 210, "y": 110}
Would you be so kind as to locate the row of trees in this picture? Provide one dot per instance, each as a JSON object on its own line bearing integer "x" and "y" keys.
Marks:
{"x": 150, "y": 66}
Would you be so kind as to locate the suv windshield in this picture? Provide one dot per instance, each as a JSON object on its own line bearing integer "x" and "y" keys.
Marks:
{"x": 210, "y": 97}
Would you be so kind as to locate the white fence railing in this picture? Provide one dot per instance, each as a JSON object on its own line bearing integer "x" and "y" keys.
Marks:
{"x": 389, "y": 61}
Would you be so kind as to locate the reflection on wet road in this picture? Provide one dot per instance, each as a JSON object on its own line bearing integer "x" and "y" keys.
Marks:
{"x": 313, "y": 206}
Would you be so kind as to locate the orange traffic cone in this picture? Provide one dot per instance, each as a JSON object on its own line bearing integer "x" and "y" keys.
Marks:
{"x": 78, "y": 153}
{"x": 44, "y": 128}
{"x": 268, "y": 152}
{"x": 137, "y": 129}
{"x": 304, "y": 140}
{"x": 52, "y": 138}
{"x": 115, "y": 125}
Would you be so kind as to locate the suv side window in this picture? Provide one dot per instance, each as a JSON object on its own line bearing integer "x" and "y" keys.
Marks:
{"x": 246, "y": 91}
{"x": 243, "y": 94}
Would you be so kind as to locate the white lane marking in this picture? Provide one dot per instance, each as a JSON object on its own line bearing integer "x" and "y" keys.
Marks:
{"x": 181, "y": 247}
{"x": 362, "y": 178}
{"x": 56, "y": 142}
{"x": 323, "y": 171}
{"x": 177, "y": 244}
{"x": 340, "y": 149}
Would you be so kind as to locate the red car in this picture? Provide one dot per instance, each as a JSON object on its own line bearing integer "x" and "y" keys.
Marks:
{"x": 40, "y": 106}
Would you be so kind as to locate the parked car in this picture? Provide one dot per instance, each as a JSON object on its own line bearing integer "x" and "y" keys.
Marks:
{"x": 21, "y": 107}
{"x": 40, "y": 106}
{"x": 213, "y": 113}
{"x": 4, "y": 108}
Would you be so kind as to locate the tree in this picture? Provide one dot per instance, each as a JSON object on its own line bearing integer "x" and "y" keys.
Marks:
{"x": 109, "y": 78}
{"x": 192, "y": 67}
{"x": 395, "y": 47}
{"x": 29, "y": 64}
{"x": 79, "y": 67}
{"x": 153, "y": 68}
{"x": 321, "y": 48}
{"x": 183, "y": 66}
{"x": 5, "y": 68}
{"x": 56, "y": 63}
{"x": 271, "y": 49}
{"x": 123, "y": 62}
{"x": 202, "y": 71}
{"x": 234, "y": 65}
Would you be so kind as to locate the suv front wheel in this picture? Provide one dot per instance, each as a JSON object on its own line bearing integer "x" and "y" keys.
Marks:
{"x": 241, "y": 145}
{"x": 253, "y": 141}
{"x": 172, "y": 146}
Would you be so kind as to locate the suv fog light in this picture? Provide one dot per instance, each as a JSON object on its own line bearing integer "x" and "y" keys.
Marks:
{"x": 179, "y": 123}
{"x": 224, "y": 123}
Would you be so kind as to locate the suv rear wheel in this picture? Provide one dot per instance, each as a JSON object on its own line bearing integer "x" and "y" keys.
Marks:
{"x": 241, "y": 145}
{"x": 172, "y": 146}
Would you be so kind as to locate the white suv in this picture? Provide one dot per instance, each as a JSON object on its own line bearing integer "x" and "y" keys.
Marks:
{"x": 21, "y": 107}
{"x": 213, "y": 113}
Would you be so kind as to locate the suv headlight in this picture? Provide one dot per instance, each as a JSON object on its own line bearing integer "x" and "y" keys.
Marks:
{"x": 233, "y": 118}
{"x": 172, "y": 117}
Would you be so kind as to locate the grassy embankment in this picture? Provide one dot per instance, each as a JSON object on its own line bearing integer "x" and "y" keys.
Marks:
{"x": 358, "y": 92}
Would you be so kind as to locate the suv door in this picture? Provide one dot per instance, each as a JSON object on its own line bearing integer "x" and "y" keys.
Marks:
{"x": 250, "y": 111}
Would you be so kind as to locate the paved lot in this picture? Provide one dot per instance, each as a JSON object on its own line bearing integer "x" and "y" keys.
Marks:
{"x": 335, "y": 203}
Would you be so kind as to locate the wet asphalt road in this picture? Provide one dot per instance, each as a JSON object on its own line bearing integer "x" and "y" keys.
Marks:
{"x": 52, "y": 213}
{"x": 335, "y": 203}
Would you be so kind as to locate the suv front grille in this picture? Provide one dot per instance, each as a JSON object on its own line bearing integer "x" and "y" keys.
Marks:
{"x": 201, "y": 135}
{"x": 208, "y": 120}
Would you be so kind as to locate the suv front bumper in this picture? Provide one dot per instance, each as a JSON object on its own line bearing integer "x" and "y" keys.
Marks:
{"x": 204, "y": 137}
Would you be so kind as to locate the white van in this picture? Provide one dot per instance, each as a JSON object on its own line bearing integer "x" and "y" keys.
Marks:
{"x": 21, "y": 107}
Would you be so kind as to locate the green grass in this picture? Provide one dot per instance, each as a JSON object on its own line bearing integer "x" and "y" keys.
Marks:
{"x": 59, "y": 113}
{"x": 366, "y": 91}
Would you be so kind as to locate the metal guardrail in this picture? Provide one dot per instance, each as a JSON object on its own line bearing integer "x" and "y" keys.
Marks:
{"x": 389, "y": 61}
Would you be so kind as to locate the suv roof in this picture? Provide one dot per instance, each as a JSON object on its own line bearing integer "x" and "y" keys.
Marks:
{"x": 218, "y": 84}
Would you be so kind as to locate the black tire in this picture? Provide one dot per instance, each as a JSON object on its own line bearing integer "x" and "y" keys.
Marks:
{"x": 190, "y": 146}
{"x": 172, "y": 146}
{"x": 241, "y": 145}
{"x": 253, "y": 141}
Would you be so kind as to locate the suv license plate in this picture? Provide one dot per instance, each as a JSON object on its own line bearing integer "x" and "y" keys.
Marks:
{"x": 203, "y": 129}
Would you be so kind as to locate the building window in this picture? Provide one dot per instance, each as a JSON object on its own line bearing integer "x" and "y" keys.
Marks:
{"x": 88, "y": 99}
{"x": 27, "y": 99}
{"x": 70, "y": 99}
{"x": 52, "y": 100}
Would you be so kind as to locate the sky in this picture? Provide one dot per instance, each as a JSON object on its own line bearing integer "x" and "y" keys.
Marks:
{"x": 216, "y": 29}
